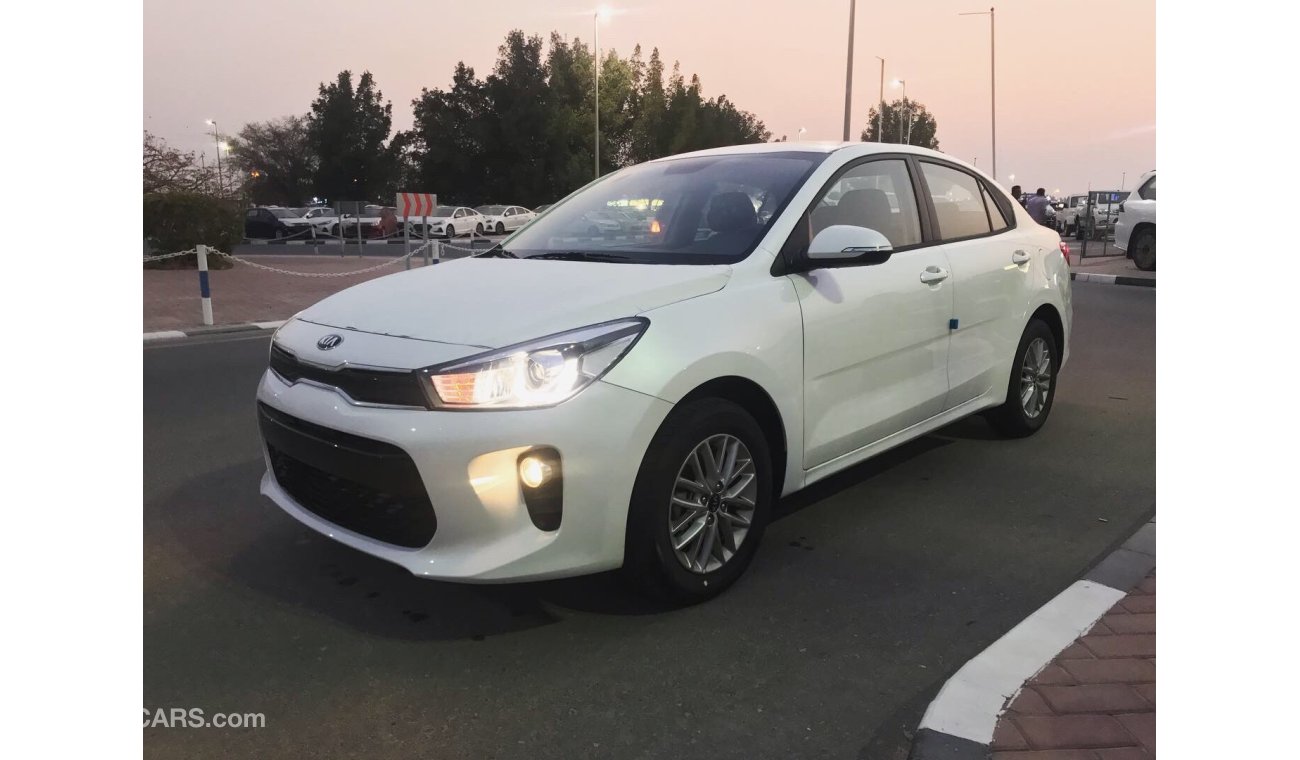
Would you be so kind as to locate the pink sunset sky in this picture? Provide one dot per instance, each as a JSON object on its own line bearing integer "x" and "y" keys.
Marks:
{"x": 1076, "y": 79}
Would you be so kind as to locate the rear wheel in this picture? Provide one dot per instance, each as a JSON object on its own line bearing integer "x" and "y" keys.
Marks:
{"x": 1031, "y": 388}
{"x": 700, "y": 504}
{"x": 1142, "y": 249}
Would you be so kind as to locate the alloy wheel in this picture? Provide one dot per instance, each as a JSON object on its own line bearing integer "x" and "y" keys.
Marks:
{"x": 712, "y": 504}
{"x": 1035, "y": 378}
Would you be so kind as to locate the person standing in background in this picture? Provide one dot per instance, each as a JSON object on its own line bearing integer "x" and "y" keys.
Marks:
{"x": 1039, "y": 207}
{"x": 1017, "y": 195}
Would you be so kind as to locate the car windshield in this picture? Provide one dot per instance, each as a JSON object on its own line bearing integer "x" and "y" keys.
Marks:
{"x": 491, "y": 210}
{"x": 443, "y": 211}
{"x": 700, "y": 210}
{"x": 284, "y": 213}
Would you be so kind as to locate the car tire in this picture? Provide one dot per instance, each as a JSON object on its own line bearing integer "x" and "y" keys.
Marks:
{"x": 1031, "y": 388}
{"x": 651, "y": 563}
{"x": 1142, "y": 249}
{"x": 501, "y": 228}
{"x": 1078, "y": 231}
{"x": 279, "y": 234}
{"x": 450, "y": 232}
{"x": 478, "y": 228}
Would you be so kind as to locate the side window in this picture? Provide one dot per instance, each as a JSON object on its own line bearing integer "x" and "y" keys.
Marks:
{"x": 958, "y": 202}
{"x": 252, "y": 213}
{"x": 877, "y": 195}
{"x": 1148, "y": 191}
{"x": 996, "y": 216}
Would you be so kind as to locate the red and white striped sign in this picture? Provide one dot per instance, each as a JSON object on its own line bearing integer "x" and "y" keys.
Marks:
{"x": 416, "y": 204}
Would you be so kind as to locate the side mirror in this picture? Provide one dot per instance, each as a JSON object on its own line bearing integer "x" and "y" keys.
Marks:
{"x": 844, "y": 245}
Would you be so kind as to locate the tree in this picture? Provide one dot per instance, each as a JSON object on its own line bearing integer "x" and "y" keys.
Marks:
{"x": 896, "y": 117}
{"x": 275, "y": 160}
{"x": 346, "y": 130}
{"x": 448, "y": 139}
{"x": 168, "y": 170}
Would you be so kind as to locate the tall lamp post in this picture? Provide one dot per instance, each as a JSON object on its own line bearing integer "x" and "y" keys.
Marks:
{"x": 993, "y": 81}
{"x": 880, "y": 114}
{"x": 848, "y": 75}
{"x": 602, "y": 13}
{"x": 903, "y": 84}
{"x": 216, "y": 137}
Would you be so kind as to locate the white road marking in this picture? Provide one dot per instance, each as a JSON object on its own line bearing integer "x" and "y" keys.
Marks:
{"x": 970, "y": 702}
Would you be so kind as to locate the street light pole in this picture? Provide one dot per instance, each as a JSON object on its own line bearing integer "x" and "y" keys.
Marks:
{"x": 596, "y": 67}
{"x": 993, "y": 79}
{"x": 216, "y": 138}
{"x": 848, "y": 75}
{"x": 902, "y": 83}
{"x": 880, "y": 115}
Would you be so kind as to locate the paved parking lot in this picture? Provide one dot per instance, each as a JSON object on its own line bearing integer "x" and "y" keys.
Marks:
{"x": 869, "y": 590}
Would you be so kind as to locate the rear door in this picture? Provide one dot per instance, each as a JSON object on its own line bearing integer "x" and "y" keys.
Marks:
{"x": 990, "y": 259}
{"x": 875, "y": 336}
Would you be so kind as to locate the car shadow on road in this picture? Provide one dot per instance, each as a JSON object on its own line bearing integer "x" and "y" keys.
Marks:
{"x": 241, "y": 537}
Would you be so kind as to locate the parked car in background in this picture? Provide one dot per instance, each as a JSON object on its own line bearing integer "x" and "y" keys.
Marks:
{"x": 1067, "y": 217}
{"x": 503, "y": 219}
{"x": 1135, "y": 227}
{"x": 541, "y": 208}
{"x": 1096, "y": 219}
{"x": 452, "y": 221}
{"x": 725, "y": 363}
{"x": 322, "y": 218}
{"x": 275, "y": 222}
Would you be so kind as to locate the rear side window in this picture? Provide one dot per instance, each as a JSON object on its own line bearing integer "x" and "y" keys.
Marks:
{"x": 1148, "y": 191}
{"x": 959, "y": 204}
{"x": 996, "y": 217}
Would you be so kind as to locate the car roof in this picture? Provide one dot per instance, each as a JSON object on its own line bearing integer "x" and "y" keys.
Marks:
{"x": 812, "y": 146}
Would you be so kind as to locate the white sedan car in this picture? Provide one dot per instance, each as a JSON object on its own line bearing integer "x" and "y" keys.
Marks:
{"x": 503, "y": 219}
{"x": 559, "y": 406}
{"x": 451, "y": 221}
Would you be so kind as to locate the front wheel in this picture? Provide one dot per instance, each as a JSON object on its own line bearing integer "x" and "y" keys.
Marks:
{"x": 1032, "y": 386}
{"x": 501, "y": 228}
{"x": 451, "y": 232}
{"x": 1142, "y": 249}
{"x": 700, "y": 503}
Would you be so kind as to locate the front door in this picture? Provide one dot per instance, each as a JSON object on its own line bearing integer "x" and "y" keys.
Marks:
{"x": 875, "y": 336}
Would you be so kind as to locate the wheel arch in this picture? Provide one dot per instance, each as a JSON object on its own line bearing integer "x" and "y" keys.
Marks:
{"x": 1048, "y": 314}
{"x": 751, "y": 397}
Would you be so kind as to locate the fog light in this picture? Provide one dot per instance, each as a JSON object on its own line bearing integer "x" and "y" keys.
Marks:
{"x": 533, "y": 471}
{"x": 541, "y": 480}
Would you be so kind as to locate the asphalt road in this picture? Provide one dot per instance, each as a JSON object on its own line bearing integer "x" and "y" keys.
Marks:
{"x": 868, "y": 592}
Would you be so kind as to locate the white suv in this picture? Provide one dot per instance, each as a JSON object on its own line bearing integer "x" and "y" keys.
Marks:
{"x": 564, "y": 404}
{"x": 1135, "y": 229}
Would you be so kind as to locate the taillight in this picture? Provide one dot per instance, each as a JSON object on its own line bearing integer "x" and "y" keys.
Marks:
{"x": 1065, "y": 251}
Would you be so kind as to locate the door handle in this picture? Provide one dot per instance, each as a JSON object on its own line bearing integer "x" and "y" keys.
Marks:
{"x": 932, "y": 275}
{"x": 1019, "y": 257}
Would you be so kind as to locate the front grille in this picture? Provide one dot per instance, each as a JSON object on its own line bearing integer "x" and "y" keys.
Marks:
{"x": 366, "y": 486}
{"x": 371, "y": 386}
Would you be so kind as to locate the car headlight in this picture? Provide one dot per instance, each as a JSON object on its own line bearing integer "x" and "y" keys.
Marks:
{"x": 540, "y": 373}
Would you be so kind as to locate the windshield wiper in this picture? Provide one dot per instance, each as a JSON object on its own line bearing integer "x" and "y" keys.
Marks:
{"x": 582, "y": 256}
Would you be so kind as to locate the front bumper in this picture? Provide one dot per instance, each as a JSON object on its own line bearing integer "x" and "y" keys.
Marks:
{"x": 467, "y": 462}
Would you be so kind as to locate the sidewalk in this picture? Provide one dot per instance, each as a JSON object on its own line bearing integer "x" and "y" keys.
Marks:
{"x": 245, "y": 294}
{"x": 1097, "y": 699}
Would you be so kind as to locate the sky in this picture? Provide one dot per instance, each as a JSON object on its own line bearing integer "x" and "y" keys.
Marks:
{"x": 1075, "y": 78}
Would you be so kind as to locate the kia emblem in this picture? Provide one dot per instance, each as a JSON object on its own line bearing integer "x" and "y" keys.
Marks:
{"x": 328, "y": 342}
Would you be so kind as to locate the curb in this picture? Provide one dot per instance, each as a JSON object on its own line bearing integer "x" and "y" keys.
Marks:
{"x": 958, "y": 724}
{"x": 1114, "y": 279}
{"x": 150, "y": 337}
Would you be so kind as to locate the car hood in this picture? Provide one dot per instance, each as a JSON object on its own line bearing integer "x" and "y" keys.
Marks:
{"x": 490, "y": 303}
